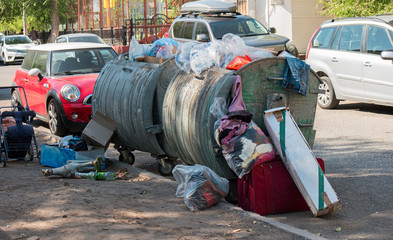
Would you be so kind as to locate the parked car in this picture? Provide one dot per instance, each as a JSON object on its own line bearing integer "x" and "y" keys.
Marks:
{"x": 59, "y": 81}
{"x": 206, "y": 21}
{"x": 13, "y": 48}
{"x": 79, "y": 37}
{"x": 352, "y": 57}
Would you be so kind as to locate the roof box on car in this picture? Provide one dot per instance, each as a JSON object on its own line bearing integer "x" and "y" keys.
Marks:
{"x": 208, "y": 6}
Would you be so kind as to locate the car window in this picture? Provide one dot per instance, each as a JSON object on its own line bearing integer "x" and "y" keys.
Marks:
{"x": 351, "y": 37}
{"x": 377, "y": 40}
{"x": 40, "y": 60}
{"x": 323, "y": 38}
{"x": 80, "y": 61}
{"x": 107, "y": 55}
{"x": 92, "y": 39}
{"x": 188, "y": 29}
{"x": 61, "y": 40}
{"x": 28, "y": 60}
{"x": 201, "y": 28}
{"x": 177, "y": 29}
{"x": 240, "y": 27}
{"x": 336, "y": 40}
{"x": 17, "y": 40}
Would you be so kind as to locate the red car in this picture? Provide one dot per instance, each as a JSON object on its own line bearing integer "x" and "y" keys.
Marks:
{"x": 59, "y": 79}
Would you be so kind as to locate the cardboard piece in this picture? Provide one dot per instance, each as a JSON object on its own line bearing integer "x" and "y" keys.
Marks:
{"x": 301, "y": 162}
{"x": 151, "y": 59}
{"x": 99, "y": 130}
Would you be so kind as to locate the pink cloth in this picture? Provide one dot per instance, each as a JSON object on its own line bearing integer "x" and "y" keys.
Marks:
{"x": 237, "y": 126}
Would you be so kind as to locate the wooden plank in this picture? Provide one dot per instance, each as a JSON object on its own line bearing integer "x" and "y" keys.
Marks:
{"x": 301, "y": 162}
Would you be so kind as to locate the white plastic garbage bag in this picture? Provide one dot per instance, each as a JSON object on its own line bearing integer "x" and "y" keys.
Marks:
{"x": 200, "y": 186}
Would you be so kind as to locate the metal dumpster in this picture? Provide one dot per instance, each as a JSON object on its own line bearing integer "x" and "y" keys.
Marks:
{"x": 165, "y": 111}
{"x": 131, "y": 93}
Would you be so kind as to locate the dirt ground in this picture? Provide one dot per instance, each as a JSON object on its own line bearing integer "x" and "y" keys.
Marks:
{"x": 142, "y": 206}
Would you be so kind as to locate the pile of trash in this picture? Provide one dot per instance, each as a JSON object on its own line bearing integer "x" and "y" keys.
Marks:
{"x": 198, "y": 57}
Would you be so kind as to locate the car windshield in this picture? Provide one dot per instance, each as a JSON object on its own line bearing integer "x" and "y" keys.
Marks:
{"x": 240, "y": 27}
{"x": 91, "y": 39}
{"x": 17, "y": 40}
{"x": 80, "y": 61}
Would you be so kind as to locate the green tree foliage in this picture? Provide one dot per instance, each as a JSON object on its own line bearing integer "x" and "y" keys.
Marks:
{"x": 355, "y": 8}
{"x": 39, "y": 13}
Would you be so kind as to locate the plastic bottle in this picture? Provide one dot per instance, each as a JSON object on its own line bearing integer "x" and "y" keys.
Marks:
{"x": 100, "y": 176}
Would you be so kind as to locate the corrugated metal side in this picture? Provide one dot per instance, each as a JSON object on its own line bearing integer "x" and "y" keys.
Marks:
{"x": 124, "y": 92}
{"x": 187, "y": 121}
{"x": 262, "y": 78}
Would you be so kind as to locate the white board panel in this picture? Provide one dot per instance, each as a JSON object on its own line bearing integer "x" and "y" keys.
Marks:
{"x": 301, "y": 162}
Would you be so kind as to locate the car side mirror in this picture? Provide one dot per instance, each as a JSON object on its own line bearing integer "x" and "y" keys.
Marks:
{"x": 272, "y": 30}
{"x": 202, "y": 38}
{"x": 387, "y": 55}
{"x": 35, "y": 72}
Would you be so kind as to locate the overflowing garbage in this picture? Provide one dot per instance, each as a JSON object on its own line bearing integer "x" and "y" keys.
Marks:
{"x": 198, "y": 57}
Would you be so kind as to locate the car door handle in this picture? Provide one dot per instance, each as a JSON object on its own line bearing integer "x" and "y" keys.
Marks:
{"x": 367, "y": 64}
{"x": 25, "y": 79}
{"x": 334, "y": 59}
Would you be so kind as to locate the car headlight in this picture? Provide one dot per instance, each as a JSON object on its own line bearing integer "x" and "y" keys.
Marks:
{"x": 70, "y": 92}
{"x": 290, "y": 47}
{"x": 11, "y": 50}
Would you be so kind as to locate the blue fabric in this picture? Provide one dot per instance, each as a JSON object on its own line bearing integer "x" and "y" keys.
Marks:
{"x": 54, "y": 156}
{"x": 296, "y": 74}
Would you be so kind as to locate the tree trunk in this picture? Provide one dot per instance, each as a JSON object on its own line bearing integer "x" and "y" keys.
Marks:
{"x": 55, "y": 23}
{"x": 24, "y": 19}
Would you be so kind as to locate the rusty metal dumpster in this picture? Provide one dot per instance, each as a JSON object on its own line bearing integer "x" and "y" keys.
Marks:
{"x": 176, "y": 123}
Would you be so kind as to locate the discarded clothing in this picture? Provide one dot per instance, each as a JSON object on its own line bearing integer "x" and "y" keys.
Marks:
{"x": 237, "y": 119}
{"x": 296, "y": 74}
{"x": 248, "y": 148}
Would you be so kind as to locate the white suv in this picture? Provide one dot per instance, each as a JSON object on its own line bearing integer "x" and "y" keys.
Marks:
{"x": 208, "y": 20}
{"x": 353, "y": 58}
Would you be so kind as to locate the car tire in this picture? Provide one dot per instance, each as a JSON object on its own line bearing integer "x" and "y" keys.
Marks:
{"x": 327, "y": 99}
{"x": 3, "y": 57}
{"x": 15, "y": 101}
{"x": 55, "y": 122}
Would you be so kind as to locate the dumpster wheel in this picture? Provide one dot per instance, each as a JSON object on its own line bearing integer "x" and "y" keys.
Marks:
{"x": 165, "y": 167}
{"x": 126, "y": 156}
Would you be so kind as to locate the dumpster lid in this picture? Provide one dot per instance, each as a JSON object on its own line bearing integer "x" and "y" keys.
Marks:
{"x": 208, "y": 6}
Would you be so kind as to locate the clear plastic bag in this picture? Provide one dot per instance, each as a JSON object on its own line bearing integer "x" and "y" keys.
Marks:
{"x": 257, "y": 53}
{"x": 157, "y": 45}
{"x": 136, "y": 49}
{"x": 200, "y": 59}
{"x": 200, "y": 186}
{"x": 165, "y": 51}
{"x": 183, "y": 55}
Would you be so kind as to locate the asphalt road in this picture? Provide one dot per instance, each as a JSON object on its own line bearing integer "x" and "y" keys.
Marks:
{"x": 355, "y": 140}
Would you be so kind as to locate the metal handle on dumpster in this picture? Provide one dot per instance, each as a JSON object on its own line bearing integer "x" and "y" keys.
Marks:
{"x": 305, "y": 124}
{"x": 275, "y": 78}
{"x": 127, "y": 69}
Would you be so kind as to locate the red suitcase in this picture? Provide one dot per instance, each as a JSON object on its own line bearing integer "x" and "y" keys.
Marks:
{"x": 269, "y": 189}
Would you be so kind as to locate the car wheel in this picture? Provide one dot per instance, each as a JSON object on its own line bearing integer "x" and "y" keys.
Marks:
{"x": 4, "y": 57}
{"x": 15, "y": 101}
{"x": 56, "y": 124}
{"x": 327, "y": 99}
